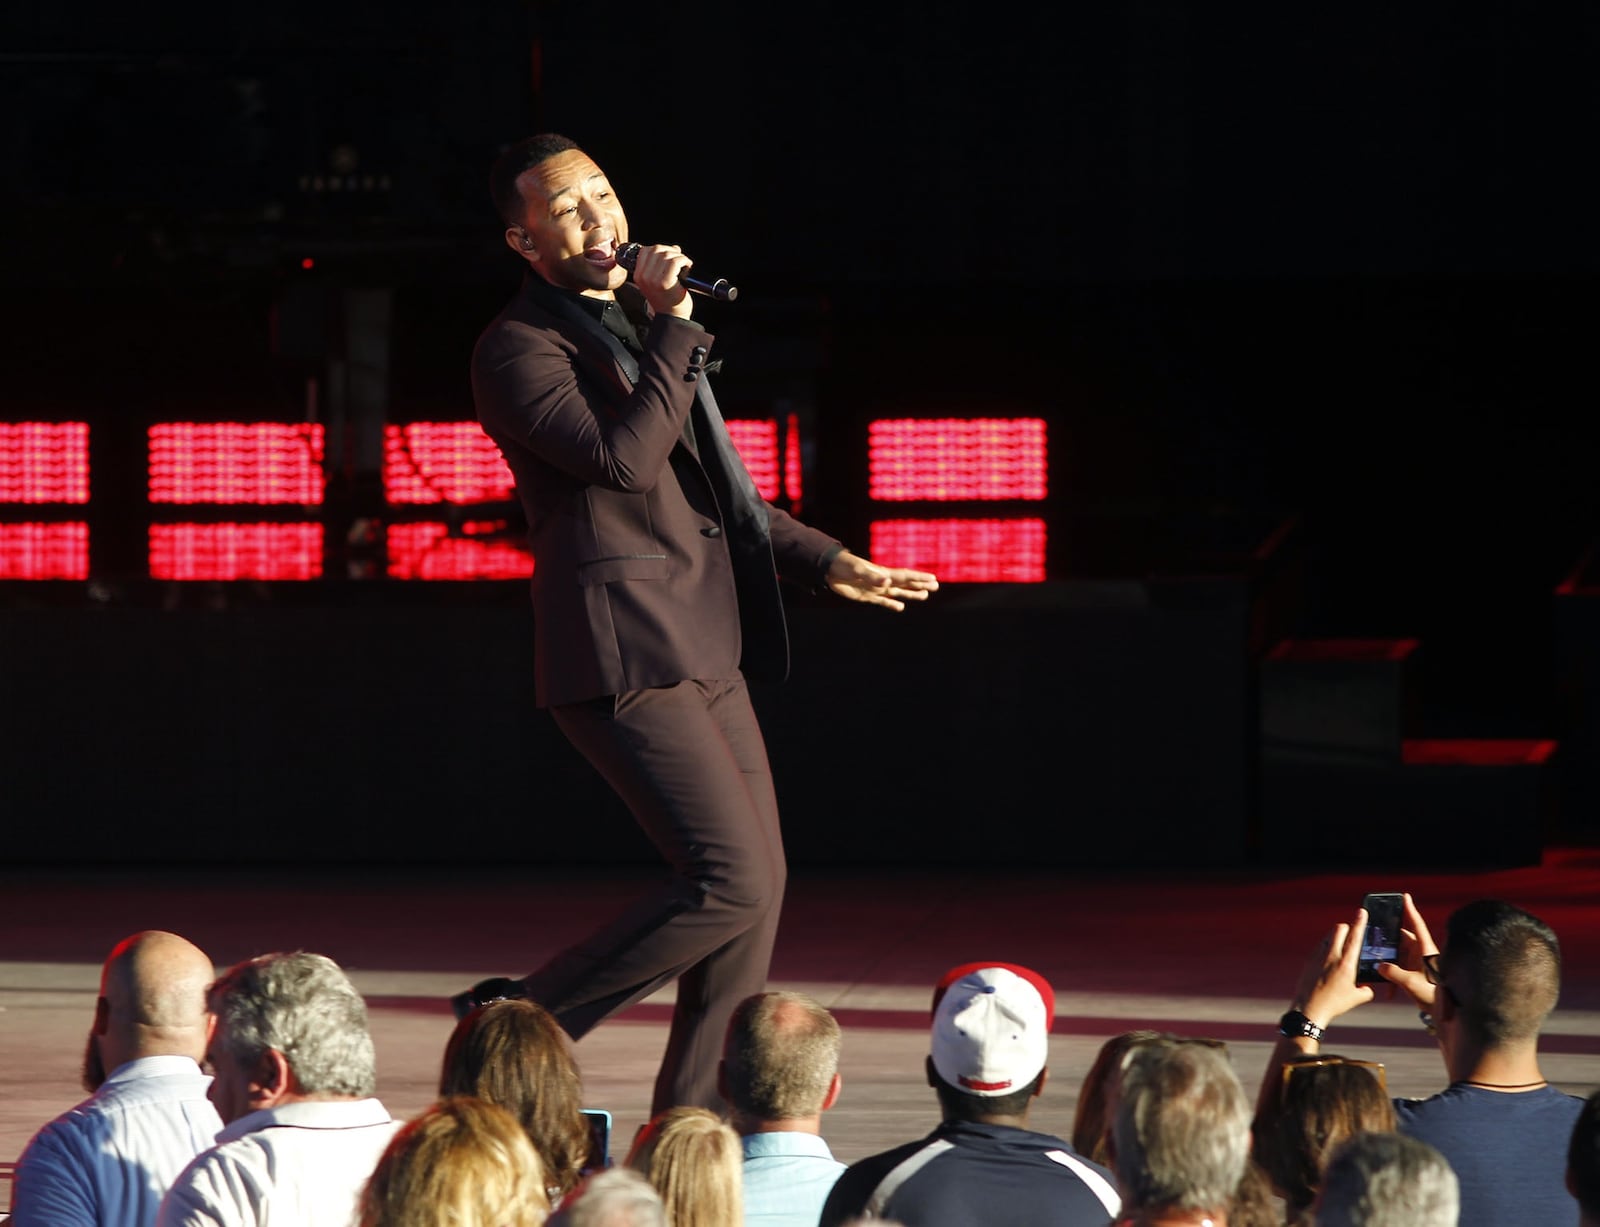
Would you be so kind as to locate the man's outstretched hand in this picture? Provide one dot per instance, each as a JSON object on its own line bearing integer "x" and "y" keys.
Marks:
{"x": 857, "y": 579}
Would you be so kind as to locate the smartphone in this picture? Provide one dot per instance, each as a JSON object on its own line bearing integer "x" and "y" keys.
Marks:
{"x": 599, "y": 1122}
{"x": 1381, "y": 942}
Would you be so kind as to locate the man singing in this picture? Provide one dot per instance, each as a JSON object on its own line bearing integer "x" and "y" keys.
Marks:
{"x": 655, "y": 591}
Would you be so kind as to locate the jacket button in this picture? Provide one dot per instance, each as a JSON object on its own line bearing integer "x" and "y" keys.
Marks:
{"x": 698, "y": 353}
{"x": 713, "y": 531}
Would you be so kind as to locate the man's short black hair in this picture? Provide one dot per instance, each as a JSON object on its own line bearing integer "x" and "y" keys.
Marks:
{"x": 521, "y": 156}
{"x": 956, "y": 1104}
{"x": 1505, "y": 965}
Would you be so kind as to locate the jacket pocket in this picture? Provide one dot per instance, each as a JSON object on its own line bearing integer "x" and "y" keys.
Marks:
{"x": 623, "y": 566}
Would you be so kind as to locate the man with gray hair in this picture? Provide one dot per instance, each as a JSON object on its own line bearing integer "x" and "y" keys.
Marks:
{"x": 779, "y": 1074}
{"x": 614, "y": 1197}
{"x": 1387, "y": 1180}
{"x": 294, "y": 1080}
{"x": 108, "y": 1161}
{"x": 1180, "y": 1136}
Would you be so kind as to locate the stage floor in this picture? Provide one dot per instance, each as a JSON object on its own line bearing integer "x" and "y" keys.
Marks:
{"x": 1206, "y": 953}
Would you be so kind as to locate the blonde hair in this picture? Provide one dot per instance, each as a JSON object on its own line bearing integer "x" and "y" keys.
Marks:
{"x": 694, "y": 1159}
{"x": 780, "y": 1056}
{"x": 461, "y": 1163}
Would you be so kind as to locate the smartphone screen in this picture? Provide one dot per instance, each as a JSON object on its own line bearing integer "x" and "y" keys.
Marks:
{"x": 1381, "y": 941}
{"x": 599, "y": 1122}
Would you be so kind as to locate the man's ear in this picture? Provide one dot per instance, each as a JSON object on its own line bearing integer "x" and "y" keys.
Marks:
{"x": 1445, "y": 1005}
{"x": 102, "y": 1016}
{"x": 272, "y": 1080}
{"x": 517, "y": 239}
{"x": 933, "y": 1078}
{"x": 1044, "y": 1076}
{"x": 832, "y": 1097}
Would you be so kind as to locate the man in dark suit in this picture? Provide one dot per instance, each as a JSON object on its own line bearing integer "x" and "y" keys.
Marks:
{"x": 655, "y": 591}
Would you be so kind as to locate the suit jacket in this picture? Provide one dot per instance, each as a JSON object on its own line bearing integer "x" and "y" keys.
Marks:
{"x": 654, "y": 561}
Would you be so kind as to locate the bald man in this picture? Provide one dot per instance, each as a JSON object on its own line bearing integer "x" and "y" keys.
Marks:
{"x": 108, "y": 1161}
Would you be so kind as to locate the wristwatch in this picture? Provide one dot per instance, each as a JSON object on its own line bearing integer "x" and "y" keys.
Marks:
{"x": 1294, "y": 1024}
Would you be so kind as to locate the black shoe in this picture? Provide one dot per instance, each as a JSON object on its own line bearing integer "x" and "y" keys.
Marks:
{"x": 498, "y": 988}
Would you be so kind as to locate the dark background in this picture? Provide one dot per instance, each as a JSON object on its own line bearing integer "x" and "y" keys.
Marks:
{"x": 1334, "y": 269}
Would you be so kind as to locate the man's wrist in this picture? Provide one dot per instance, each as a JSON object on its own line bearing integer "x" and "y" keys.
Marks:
{"x": 1296, "y": 1025}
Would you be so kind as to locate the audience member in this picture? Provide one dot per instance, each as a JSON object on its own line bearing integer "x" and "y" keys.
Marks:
{"x": 294, "y": 1080}
{"x": 514, "y": 1054}
{"x": 692, "y": 1157}
{"x": 613, "y": 1197}
{"x": 1583, "y": 1162}
{"x": 1389, "y": 1180}
{"x": 1091, "y": 1121}
{"x": 1255, "y": 1203}
{"x": 1180, "y": 1135}
{"x": 1485, "y": 996}
{"x": 983, "y": 1166}
{"x": 1321, "y": 1101}
{"x": 108, "y": 1161}
{"x": 779, "y": 1074}
{"x": 463, "y": 1163}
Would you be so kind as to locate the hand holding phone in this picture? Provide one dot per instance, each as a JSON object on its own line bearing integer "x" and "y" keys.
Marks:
{"x": 1380, "y": 943}
{"x": 599, "y": 1122}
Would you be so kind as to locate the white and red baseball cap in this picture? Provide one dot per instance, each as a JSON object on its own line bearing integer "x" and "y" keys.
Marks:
{"x": 991, "y": 1027}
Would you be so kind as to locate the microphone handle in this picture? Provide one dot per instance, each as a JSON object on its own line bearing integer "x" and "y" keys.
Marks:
{"x": 718, "y": 289}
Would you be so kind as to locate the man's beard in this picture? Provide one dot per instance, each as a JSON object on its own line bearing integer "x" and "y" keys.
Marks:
{"x": 94, "y": 1070}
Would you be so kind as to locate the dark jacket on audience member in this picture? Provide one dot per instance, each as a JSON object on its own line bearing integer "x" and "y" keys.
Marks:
{"x": 971, "y": 1175}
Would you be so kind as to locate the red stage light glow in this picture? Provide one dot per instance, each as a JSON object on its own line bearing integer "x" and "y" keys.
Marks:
{"x": 236, "y": 462}
{"x": 235, "y": 551}
{"x": 791, "y": 459}
{"x": 44, "y": 551}
{"x": 1008, "y": 551}
{"x": 757, "y": 443}
{"x": 957, "y": 459}
{"x": 443, "y": 462}
{"x": 44, "y": 462}
{"x": 430, "y": 551}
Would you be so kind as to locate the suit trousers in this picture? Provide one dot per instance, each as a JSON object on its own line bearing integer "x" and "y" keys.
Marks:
{"x": 690, "y": 763}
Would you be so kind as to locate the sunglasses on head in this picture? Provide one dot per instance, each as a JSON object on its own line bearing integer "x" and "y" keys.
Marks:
{"x": 1290, "y": 1068}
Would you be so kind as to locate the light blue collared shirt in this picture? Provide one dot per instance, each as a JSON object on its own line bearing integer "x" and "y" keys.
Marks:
{"x": 108, "y": 1161}
{"x": 787, "y": 1177}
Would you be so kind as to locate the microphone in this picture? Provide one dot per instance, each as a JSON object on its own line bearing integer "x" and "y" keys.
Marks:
{"x": 628, "y": 256}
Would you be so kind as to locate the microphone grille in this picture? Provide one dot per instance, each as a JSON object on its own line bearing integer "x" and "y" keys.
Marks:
{"x": 628, "y": 255}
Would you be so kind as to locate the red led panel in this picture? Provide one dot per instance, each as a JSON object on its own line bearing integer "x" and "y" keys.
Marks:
{"x": 235, "y": 551}
{"x": 963, "y": 551}
{"x": 443, "y": 462}
{"x": 791, "y": 459}
{"x": 44, "y": 551}
{"x": 477, "y": 550}
{"x": 236, "y": 462}
{"x": 956, "y": 459}
{"x": 757, "y": 443}
{"x": 44, "y": 462}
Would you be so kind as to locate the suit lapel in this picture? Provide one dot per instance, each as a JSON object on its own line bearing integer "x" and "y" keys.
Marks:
{"x": 625, "y": 372}
{"x": 705, "y": 440}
